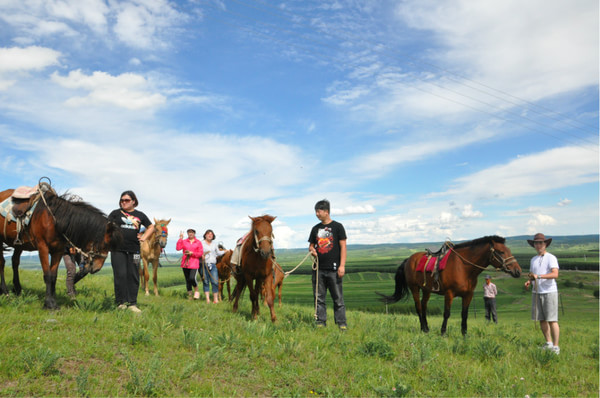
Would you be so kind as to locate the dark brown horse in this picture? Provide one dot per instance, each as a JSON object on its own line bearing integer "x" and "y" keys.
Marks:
{"x": 256, "y": 265}
{"x": 150, "y": 250}
{"x": 55, "y": 223}
{"x": 224, "y": 268}
{"x": 459, "y": 279}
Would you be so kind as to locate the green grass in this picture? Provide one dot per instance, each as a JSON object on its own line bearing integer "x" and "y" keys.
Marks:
{"x": 178, "y": 347}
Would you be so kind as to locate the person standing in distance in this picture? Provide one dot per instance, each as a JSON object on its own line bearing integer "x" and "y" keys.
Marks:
{"x": 543, "y": 272}
{"x": 327, "y": 242}
{"x": 489, "y": 299}
{"x": 125, "y": 259}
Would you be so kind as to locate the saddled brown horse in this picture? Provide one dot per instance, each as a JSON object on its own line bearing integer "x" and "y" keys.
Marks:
{"x": 55, "y": 223}
{"x": 224, "y": 268}
{"x": 256, "y": 265}
{"x": 150, "y": 250}
{"x": 459, "y": 279}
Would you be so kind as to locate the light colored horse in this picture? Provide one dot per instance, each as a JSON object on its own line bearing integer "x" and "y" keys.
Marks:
{"x": 150, "y": 250}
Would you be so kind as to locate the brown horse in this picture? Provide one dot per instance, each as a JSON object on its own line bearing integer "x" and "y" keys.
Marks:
{"x": 459, "y": 279}
{"x": 256, "y": 265}
{"x": 150, "y": 250}
{"x": 57, "y": 221}
{"x": 278, "y": 277}
{"x": 224, "y": 268}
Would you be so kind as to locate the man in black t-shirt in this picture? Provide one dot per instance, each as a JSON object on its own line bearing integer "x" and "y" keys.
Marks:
{"x": 327, "y": 242}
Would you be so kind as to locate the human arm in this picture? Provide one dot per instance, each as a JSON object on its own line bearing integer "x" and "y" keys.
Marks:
{"x": 553, "y": 274}
{"x": 342, "y": 268}
{"x": 148, "y": 232}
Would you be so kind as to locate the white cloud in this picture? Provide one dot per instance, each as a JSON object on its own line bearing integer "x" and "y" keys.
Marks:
{"x": 362, "y": 209}
{"x": 529, "y": 175}
{"x": 468, "y": 212}
{"x": 557, "y": 41}
{"x": 16, "y": 59}
{"x": 564, "y": 202}
{"x": 539, "y": 221}
{"x": 127, "y": 90}
{"x": 144, "y": 24}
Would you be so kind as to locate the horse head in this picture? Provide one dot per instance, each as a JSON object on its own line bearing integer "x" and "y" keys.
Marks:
{"x": 161, "y": 232}
{"x": 502, "y": 258}
{"x": 94, "y": 255}
{"x": 262, "y": 230}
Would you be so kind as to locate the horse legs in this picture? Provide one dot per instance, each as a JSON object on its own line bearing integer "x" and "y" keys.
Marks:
{"x": 466, "y": 301}
{"x": 16, "y": 260}
{"x": 237, "y": 292}
{"x": 144, "y": 277}
{"x": 279, "y": 294}
{"x": 254, "y": 292}
{"x": 270, "y": 296}
{"x": 448, "y": 297}
{"x": 155, "y": 266}
{"x": 50, "y": 272}
{"x": 3, "y": 288}
{"x": 418, "y": 307}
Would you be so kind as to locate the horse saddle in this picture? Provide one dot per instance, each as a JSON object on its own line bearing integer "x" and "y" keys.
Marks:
{"x": 24, "y": 199}
{"x": 434, "y": 261}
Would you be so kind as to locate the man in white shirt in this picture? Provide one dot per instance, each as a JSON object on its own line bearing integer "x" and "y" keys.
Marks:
{"x": 543, "y": 272}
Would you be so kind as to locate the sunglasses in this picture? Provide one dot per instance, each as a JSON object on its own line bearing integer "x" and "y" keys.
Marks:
{"x": 125, "y": 200}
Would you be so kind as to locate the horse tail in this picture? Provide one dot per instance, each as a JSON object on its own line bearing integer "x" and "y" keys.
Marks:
{"x": 401, "y": 287}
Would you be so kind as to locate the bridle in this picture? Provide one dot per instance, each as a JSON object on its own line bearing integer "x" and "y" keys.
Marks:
{"x": 262, "y": 239}
{"x": 494, "y": 255}
{"x": 504, "y": 262}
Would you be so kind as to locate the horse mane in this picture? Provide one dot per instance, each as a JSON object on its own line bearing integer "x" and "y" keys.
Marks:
{"x": 481, "y": 241}
{"x": 79, "y": 221}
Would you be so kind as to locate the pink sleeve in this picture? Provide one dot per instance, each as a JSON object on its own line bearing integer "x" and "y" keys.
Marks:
{"x": 179, "y": 245}
{"x": 198, "y": 250}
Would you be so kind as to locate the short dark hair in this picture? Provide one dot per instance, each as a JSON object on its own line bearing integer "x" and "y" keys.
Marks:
{"x": 131, "y": 194}
{"x": 323, "y": 205}
{"x": 191, "y": 229}
{"x": 207, "y": 231}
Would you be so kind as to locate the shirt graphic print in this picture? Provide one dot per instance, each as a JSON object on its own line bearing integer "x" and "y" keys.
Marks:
{"x": 324, "y": 240}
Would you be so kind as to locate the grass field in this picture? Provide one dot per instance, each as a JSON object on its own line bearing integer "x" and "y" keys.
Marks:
{"x": 178, "y": 347}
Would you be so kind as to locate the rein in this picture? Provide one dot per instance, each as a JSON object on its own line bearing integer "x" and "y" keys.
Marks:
{"x": 493, "y": 255}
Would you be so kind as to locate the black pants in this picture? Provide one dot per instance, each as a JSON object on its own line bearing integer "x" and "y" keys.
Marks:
{"x": 126, "y": 277}
{"x": 190, "y": 278}
{"x": 329, "y": 280}
{"x": 490, "y": 309}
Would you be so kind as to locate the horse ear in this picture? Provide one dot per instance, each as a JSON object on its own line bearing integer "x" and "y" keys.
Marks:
{"x": 269, "y": 218}
{"x": 155, "y": 221}
{"x": 167, "y": 223}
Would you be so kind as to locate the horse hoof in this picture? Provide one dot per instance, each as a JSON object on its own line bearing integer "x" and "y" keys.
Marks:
{"x": 147, "y": 293}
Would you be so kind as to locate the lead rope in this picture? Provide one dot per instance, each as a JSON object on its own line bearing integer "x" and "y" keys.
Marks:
{"x": 315, "y": 267}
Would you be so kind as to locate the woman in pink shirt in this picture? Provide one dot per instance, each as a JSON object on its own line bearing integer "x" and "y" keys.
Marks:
{"x": 190, "y": 261}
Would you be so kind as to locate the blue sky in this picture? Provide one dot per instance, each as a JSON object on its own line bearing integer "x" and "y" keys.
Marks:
{"x": 419, "y": 120}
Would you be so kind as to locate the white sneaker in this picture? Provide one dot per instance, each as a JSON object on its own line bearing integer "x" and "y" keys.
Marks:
{"x": 547, "y": 346}
{"x": 556, "y": 349}
{"x": 122, "y": 307}
{"x": 134, "y": 308}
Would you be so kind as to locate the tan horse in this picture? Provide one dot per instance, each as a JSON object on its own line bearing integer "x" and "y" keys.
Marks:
{"x": 224, "y": 268}
{"x": 150, "y": 250}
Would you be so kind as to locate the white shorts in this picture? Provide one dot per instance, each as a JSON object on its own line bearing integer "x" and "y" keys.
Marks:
{"x": 546, "y": 308}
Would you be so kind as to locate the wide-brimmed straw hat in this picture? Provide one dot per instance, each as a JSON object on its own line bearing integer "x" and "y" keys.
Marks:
{"x": 539, "y": 237}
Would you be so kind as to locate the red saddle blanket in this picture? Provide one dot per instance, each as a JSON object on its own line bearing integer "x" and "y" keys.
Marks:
{"x": 428, "y": 263}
